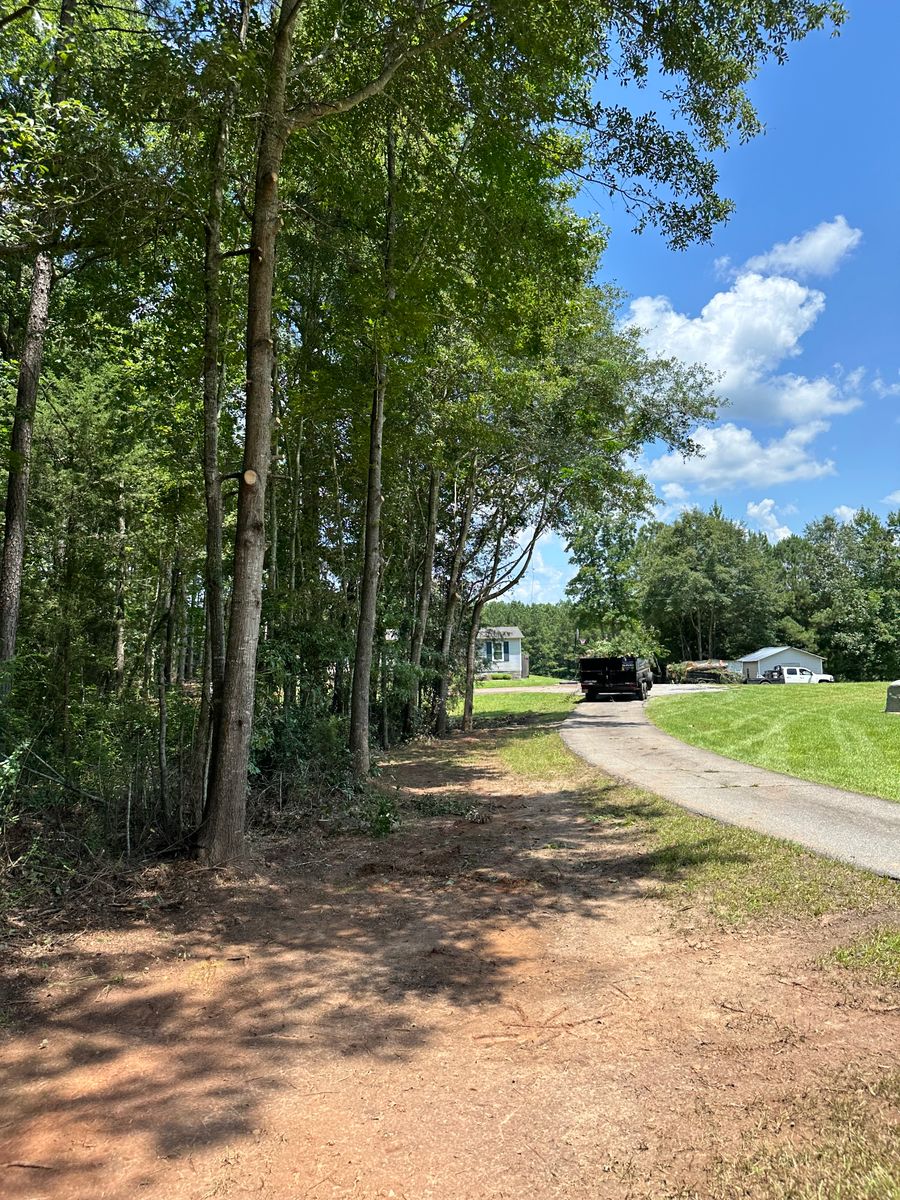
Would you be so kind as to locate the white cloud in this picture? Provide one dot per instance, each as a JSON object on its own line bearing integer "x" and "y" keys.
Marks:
{"x": 743, "y": 335}
{"x": 543, "y": 582}
{"x": 732, "y": 457}
{"x": 672, "y": 492}
{"x": 764, "y": 516}
{"x": 845, "y": 513}
{"x": 819, "y": 251}
{"x": 882, "y": 389}
{"x": 675, "y": 500}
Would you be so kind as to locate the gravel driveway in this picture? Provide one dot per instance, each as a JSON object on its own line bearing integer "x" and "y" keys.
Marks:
{"x": 619, "y": 738}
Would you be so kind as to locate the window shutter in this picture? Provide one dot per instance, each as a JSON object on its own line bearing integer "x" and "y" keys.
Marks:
{"x": 506, "y": 651}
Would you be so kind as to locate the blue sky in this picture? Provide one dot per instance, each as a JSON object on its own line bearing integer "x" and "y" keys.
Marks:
{"x": 795, "y": 302}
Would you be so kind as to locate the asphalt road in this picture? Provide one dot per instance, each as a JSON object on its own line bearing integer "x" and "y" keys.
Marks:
{"x": 619, "y": 738}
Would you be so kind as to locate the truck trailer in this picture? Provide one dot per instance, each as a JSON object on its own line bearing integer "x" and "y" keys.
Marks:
{"x": 627, "y": 677}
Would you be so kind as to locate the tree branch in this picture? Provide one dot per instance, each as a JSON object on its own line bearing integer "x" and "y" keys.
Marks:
{"x": 401, "y": 52}
{"x": 21, "y": 11}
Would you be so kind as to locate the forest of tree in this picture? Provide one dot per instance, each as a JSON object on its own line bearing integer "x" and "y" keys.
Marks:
{"x": 704, "y": 586}
{"x": 302, "y": 351}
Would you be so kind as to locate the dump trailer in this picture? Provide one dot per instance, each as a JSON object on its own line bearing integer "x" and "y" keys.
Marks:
{"x": 626, "y": 677}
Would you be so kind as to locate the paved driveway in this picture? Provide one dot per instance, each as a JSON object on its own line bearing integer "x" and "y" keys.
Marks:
{"x": 619, "y": 738}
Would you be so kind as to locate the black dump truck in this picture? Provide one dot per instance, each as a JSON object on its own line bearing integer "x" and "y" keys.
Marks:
{"x": 631, "y": 677}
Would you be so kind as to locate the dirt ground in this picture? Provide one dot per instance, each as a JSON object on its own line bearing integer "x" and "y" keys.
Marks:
{"x": 480, "y": 1006}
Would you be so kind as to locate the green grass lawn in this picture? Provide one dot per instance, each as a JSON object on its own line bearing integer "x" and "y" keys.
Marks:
{"x": 831, "y": 733}
{"x": 539, "y": 705}
{"x": 531, "y": 681}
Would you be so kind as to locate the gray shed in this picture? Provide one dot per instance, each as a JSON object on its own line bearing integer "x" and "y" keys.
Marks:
{"x": 754, "y": 665}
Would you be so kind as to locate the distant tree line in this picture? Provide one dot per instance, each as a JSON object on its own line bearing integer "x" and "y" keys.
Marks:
{"x": 704, "y": 586}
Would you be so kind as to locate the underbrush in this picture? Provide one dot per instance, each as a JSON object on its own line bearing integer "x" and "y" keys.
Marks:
{"x": 89, "y": 796}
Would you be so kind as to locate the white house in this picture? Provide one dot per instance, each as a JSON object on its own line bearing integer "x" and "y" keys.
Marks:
{"x": 500, "y": 650}
{"x": 755, "y": 665}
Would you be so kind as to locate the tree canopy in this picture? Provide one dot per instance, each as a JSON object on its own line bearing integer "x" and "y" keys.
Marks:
{"x": 303, "y": 350}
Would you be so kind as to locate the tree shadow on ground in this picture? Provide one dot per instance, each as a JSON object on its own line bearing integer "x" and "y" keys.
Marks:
{"x": 173, "y": 1027}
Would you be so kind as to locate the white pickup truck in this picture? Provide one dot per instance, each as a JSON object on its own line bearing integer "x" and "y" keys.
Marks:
{"x": 795, "y": 675}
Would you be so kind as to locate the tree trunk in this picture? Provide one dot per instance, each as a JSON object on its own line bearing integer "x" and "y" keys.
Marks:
{"x": 368, "y": 600}
{"x": 295, "y": 514}
{"x": 212, "y": 484}
{"x": 471, "y": 651}
{"x": 161, "y": 750}
{"x": 30, "y": 362}
{"x": 202, "y": 743}
{"x": 155, "y": 624}
{"x": 222, "y": 839}
{"x": 212, "y": 379}
{"x": 410, "y": 716}
{"x": 121, "y": 579}
{"x": 384, "y": 730}
{"x": 490, "y": 591}
{"x": 20, "y": 454}
{"x": 272, "y": 573}
{"x": 171, "y": 621}
{"x": 452, "y": 605}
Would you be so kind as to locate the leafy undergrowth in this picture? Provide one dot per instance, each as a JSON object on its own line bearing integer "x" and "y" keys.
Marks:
{"x": 841, "y": 1143}
{"x": 831, "y": 733}
{"x": 736, "y": 875}
{"x": 877, "y": 956}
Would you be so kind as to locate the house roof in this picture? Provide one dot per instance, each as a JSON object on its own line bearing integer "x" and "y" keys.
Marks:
{"x": 499, "y": 631}
{"x": 768, "y": 651}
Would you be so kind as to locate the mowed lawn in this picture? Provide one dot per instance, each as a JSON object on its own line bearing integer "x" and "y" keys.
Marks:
{"x": 832, "y": 733}
{"x": 531, "y": 681}
{"x": 539, "y": 706}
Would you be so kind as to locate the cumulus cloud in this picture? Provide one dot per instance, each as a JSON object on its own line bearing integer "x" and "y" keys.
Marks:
{"x": 819, "y": 251}
{"x": 892, "y": 498}
{"x": 672, "y": 492}
{"x": 732, "y": 457}
{"x": 748, "y": 333}
{"x": 743, "y": 335}
{"x": 845, "y": 513}
{"x": 543, "y": 582}
{"x": 764, "y": 516}
{"x": 675, "y": 500}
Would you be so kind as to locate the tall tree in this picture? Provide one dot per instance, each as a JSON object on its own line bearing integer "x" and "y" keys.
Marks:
{"x": 709, "y": 586}
{"x": 30, "y": 362}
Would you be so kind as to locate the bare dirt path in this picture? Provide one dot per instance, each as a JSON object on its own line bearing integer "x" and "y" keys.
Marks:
{"x": 482, "y": 1006}
{"x": 621, "y": 740}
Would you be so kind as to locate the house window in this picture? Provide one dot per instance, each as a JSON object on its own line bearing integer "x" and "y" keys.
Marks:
{"x": 497, "y": 651}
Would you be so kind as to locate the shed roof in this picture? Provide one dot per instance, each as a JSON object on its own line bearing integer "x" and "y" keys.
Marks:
{"x": 768, "y": 651}
{"x": 499, "y": 631}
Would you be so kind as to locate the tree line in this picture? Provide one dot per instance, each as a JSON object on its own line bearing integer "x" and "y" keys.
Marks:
{"x": 302, "y": 352}
{"x": 706, "y": 587}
